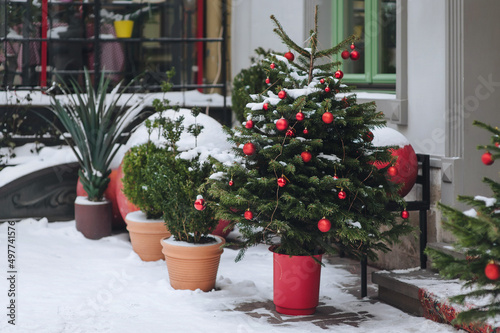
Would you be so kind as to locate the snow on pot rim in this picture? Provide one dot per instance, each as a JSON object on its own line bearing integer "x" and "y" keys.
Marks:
{"x": 140, "y": 217}
{"x": 172, "y": 241}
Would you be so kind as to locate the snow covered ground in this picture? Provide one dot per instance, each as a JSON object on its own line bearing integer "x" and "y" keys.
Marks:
{"x": 67, "y": 283}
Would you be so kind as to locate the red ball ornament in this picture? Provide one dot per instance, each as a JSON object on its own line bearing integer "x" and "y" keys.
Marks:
{"x": 281, "y": 182}
{"x": 299, "y": 116}
{"x": 327, "y": 89}
{"x": 282, "y": 94}
{"x": 405, "y": 214}
{"x": 199, "y": 204}
{"x": 324, "y": 225}
{"x": 369, "y": 136}
{"x": 305, "y": 131}
{"x": 327, "y": 117}
{"x": 248, "y": 214}
{"x": 345, "y": 54}
{"x": 249, "y": 124}
{"x": 352, "y": 46}
{"x": 249, "y": 148}
{"x": 487, "y": 158}
{"x": 282, "y": 124}
{"x": 392, "y": 171}
{"x": 290, "y": 132}
{"x": 339, "y": 74}
{"x": 342, "y": 195}
{"x": 355, "y": 55}
{"x": 265, "y": 106}
{"x": 492, "y": 271}
{"x": 322, "y": 81}
{"x": 289, "y": 55}
{"x": 306, "y": 156}
{"x": 335, "y": 177}
{"x": 268, "y": 80}
{"x": 272, "y": 65}
{"x": 497, "y": 144}
{"x": 231, "y": 183}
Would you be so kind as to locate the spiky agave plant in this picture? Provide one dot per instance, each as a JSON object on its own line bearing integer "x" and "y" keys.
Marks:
{"x": 96, "y": 124}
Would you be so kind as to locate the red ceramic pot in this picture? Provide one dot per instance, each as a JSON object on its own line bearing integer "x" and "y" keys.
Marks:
{"x": 296, "y": 283}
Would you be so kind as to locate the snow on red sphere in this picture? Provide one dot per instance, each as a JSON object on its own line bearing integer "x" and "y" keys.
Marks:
{"x": 199, "y": 204}
{"x": 249, "y": 124}
{"x": 339, "y": 74}
{"x": 265, "y": 106}
{"x": 492, "y": 271}
{"x": 487, "y": 158}
{"x": 405, "y": 214}
{"x": 322, "y": 81}
{"x": 342, "y": 195}
{"x": 289, "y": 55}
{"x": 272, "y": 65}
{"x": 345, "y": 54}
{"x": 282, "y": 124}
{"x": 248, "y": 214}
{"x": 231, "y": 183}
{"x": 305, "y": 131}
{"x": 327, "y": 117}
{"x": 299, "y": 116}
{"x": 281, "y": 182}
{"x": 404, "y": 158}
{"x": 327, "y": 89}
{"x": 282, "y": 94}
{"x": 352, "y": 46}
{"x": 354, "y": 55}
{"x": 306, "y": 156}
{"x": 392, "y": 171}
{"x": 268, "y": 80}
{"x": 249, "y": 148}
{"x": 324, "y": 225}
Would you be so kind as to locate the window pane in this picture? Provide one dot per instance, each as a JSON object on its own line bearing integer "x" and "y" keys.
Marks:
{"x": 354, "y": 23}
{"x": 387, "y": 40}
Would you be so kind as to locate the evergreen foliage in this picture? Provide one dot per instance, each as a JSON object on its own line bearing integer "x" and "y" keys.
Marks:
{"x": 478, "y": 237}
{"x": 289, "y": 215}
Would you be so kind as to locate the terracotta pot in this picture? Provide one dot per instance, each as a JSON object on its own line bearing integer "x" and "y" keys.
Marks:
{"x": 192, "y": 266}
{"x": 93, "y": 219}
{"x": 145, "y": 235}
{"x": 296, "y": 283}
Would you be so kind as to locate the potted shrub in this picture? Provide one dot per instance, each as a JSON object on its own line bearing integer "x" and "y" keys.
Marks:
{"x": 97, "y": 127}
{"x": 304, "y": 181}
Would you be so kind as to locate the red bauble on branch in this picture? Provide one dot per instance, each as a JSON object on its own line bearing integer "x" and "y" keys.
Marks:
{"x": 306, "y": 156}
{"x": 342, "y": 195}
{"x": 327, "y": 89}
{"x": 345, "y": 54}
{"x": 282, "y": 94}
{"x": 199, "y": 203}
{"x": 249, "y": 148}
{"x": 282, "y": 124}
{"x": 487, "y": 158}
{"x": 327, "y": 117}
{"x": 339, "y": 74}
{"x": 324, "y": 225}
{"x": 321, "y": 81}
{"x": 392, "y": 171}
{"x": 231, "y": 183}
{"x": 299, "y": 116}
{"x": 265, "y": 106}
{"x": 305, "y": 131}
{"x": 405, "y": 214}
{"x": 352, "y": 46}
{"x": 248, "y": 214}
{"x": 492, "y": 271}
{"x": 281, "y": 181}
{"x": 290, "y": 132}
{"x": 272, "y": 65}
{"x": 249, "y": 124}
{"x": 368, "y": 136}
{"x": 289, "y": 55}
{"x": 268, "y": 80}
{"x": 354, "y": 55}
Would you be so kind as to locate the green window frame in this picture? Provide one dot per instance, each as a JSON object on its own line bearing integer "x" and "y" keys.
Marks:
{"x": 371, "y": 78}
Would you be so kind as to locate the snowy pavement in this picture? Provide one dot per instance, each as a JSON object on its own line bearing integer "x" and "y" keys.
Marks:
{"x": 67, "y": 283}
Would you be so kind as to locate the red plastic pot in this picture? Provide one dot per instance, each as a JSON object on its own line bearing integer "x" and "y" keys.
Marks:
{"x": 296, "y": 283}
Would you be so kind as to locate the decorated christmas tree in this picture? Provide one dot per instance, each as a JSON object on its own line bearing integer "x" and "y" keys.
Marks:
{"x": 477, "y": 235}
{"x": 304, "y": 177}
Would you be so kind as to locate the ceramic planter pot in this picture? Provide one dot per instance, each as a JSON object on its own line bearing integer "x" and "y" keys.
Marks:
{"x": 192, "y": 266}
{"x": 296, "y": 283}
{"x": 123, "y": 28}
{"x": 145, "y": 235}
{"x": 93, "y": 219}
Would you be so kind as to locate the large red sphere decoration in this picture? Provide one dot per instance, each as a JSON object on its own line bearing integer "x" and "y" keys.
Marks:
{"x": 327, "y": 117}
{"x": 281, "y": 182}
{"x": 354, "y": 55}
{"x": 249, "y": 148}
{"x": 282, "y": 94}
{"x": 405, "y": 214}
{"x": 339, "y": 74}
{"x": 272, "y": 65}
{"x": 342, "y": 195}
{"x": 392, "y": 171}
{"x": 249, "y": 124}
{"x": 345, "y": 54}
{"x": 306, "y": 156}
{"x": 199, "y": 204}
{"x": 327, "y": 89}
{"x": 248, "y": 214}
{"x": 124, "y": 206}
{"x": 265, "y": 106}
{"x": 268, "y": 80}
{"x": 299, "y": 116}
{"x": 492, "y": 271}
{"x": 404, "y": 158}
{"x": 282, "y": 124}
{"x": 487, "y": 158}
{"x": 289, "y": 55}
{"x": 324, "y": 225}
{"x": 352, "y": 46}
